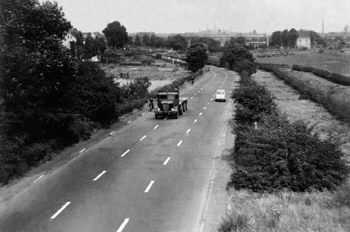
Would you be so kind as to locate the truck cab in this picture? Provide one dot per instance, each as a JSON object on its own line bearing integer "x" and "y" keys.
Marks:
{"x": 169, "y": 104}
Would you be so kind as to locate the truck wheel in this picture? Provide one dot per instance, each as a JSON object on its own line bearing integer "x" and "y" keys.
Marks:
{"x": 156, "y": 116}
{"x": 186, "y": 106}
{"x": 176, "y": 115}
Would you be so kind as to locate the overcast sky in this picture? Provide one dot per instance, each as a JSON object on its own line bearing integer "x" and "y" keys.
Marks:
{"x": 178, "y": 16}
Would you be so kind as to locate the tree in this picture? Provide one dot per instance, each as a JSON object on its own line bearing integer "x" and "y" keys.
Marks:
{"x": 116, "y": 35}
{"x": 285, "y": 38}
{"x": 177, "y": 42}
{"x": 137, "y": 40}
{"x": 41, "y": 87}
{"x": 241, "y": 41}
{"x": 293, "y": 36}
{"x": 89, "y": 47}
{"x": 237, "y": 58}
{"x": 213, "y": 45}
{"x": 276, "y": 38}
{"x": 196, "y": 56}
{"x": 146, "y": 40}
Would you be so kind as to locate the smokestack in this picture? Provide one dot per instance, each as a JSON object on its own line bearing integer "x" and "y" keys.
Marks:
{"x": 322, "y": 25}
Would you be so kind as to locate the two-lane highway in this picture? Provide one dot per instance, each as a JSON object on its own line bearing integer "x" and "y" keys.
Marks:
{"x": 152, "y": 175}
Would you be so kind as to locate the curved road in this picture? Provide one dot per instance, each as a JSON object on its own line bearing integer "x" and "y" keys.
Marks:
{"x": 152, "y": 175}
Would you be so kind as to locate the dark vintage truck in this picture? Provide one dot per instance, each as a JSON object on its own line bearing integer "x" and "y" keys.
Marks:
{"x": 170, "y": 104}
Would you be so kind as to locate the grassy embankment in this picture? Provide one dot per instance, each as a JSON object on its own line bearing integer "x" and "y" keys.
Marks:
{"x": 282, "y": 209}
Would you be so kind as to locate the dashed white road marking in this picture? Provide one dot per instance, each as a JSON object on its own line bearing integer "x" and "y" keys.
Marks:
{"x": 208, "y": 103}
{"x": 166, "y": 161}
{"x": 195, "y": 121}
{"x": 126, "y": 152}
{"x": 143, "y": 137}
{"x": 98, "y": 177}
{"x": 200, "y": 113}
{"x": 37, "y": 179}
{"x": 204, "y": 108}
{"x": 195, "y": 94}
{"x": 82, "y": 150}
{"x": 155, "y": 127}
{"x": 149, "y": 186}
{"x": 143, "y": 113}
{"x": 224, "y": 135}
{"x": 191, "y": 97}
{"x": 60, "y": 210}
{"x": 122, "y": 226}
{"x": 211, "y": 99}
{"x": 179, "y": 143}
{"x": 188, "y": 131}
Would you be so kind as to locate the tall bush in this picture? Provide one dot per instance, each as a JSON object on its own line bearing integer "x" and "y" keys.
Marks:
{"x": 278, "y": 155}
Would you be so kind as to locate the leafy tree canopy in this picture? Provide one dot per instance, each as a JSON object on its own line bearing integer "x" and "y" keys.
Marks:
{"x": 116, "y": 35}
{"x": 177, "y": 42}
{"x": 196, "y": 56}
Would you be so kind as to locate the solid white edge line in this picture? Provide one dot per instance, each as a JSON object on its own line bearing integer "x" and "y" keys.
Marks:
{"x": 125, "y": 153}
{"x": 60, "y": 210}
{"x": 143, "y": 137}
{"x": 179, "y": 143}
{"x": 149, "y": 186}
{"x": 166, "y": 161}
{"x": 82, "y": 150}
{"x": 188, "y": 131}
{"x": 155, "y": 127}
{"x": 122, "y": 226}
{"x": 101, "y": 174}
{"x": 37, "y": 179}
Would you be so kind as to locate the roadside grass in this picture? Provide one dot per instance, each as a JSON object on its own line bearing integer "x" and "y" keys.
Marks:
{"x": 288, "y": 211}
{"x": 282, "y": 209}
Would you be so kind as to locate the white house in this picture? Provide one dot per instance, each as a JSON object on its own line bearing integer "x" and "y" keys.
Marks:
{"x": 67, "y": 39}
{"x": 304, "y": 42}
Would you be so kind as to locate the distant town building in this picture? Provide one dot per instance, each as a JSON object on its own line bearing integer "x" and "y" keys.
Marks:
{"x": 68, "y": 39}
{"x": 304, "y": 41}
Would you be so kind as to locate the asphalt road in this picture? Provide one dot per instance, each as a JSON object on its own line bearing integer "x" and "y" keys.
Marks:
{"x": 152, "y": 175}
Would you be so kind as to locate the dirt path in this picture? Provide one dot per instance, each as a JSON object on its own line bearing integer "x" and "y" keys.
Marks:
{"x": 313, "y": 114}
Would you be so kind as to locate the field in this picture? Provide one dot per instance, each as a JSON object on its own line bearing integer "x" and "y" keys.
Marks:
{"x": 289, "y": 211}
{"x": 334, "y": 61}
{"x": 162, "y": 73}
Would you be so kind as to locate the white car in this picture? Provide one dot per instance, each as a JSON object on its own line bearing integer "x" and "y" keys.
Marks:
{"x": 220, "y": 95}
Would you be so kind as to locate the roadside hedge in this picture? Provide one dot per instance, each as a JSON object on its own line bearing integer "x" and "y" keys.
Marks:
{"x": 333, "y": 77}
{"x": 273, "y": 154}
{"x": 336, "y": 98}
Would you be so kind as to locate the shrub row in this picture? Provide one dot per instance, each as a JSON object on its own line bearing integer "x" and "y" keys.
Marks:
{"x": 336, "y": 99}
{"x": 333, "y": 77}
{"x": 273, "y": 154}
